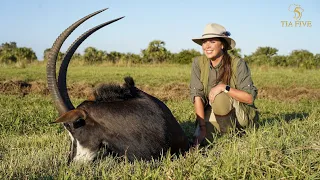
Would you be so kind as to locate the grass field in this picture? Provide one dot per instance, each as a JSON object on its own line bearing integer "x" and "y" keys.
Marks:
{"x": 286, "y": 145}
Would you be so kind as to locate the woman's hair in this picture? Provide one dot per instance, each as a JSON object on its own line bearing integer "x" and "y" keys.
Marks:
{"x": 225, "y": 72}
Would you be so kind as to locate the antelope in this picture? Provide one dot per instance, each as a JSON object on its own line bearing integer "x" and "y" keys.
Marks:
{"x": 123, "y": 119}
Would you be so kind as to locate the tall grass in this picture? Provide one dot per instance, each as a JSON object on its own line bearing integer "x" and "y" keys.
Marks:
{"x": 285, "y": 146}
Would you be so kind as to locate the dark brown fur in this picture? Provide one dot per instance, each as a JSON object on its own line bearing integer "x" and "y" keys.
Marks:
{"x": 127, "y": 122}
{"x": 115, "y": 92}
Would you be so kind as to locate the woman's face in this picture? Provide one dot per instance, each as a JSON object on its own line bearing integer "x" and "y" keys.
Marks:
{"x": 212, "y": 48}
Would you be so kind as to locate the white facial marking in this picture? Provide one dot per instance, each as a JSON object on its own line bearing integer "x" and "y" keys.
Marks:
{"x": 84, "y": 154}
{"x": 71, "y": 136}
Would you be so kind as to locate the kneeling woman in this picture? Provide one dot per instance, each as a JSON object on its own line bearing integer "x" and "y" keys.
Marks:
{"x": 221, "y": 87}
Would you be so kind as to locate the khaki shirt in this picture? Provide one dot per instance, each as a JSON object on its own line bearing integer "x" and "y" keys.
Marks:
{"x": 243, "y": 82}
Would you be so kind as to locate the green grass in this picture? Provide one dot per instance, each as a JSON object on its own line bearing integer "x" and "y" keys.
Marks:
{"x": 144, "y": 74}
{"x": 161, "y": 74}
{"x": 286, "y": 145}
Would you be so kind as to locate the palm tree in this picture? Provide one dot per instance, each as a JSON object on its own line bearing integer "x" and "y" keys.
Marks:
{"x": 114, "y": 56}
{"x": 92, "y": 55}
{"x": 155, "y": 52}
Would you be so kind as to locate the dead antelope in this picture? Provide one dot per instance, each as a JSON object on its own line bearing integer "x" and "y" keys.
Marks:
{"x": 123, "y": 119}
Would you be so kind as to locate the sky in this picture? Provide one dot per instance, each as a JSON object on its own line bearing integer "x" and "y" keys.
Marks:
{"x": 37, "y": 23}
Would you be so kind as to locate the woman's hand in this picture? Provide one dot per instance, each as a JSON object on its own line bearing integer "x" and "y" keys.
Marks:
{"x": 199, "y": 109}
{"x": 215, "y": 91}
{"x": 201, "y": 136}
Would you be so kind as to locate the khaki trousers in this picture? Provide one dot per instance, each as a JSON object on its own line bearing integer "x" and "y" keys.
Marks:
{"x": 223, "y": 115}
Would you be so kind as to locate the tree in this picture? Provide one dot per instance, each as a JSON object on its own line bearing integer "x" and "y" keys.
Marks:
{"x": 131, "y": 57}
{"x": 10, "y": 53}
{"x": 10, "y": 45}
{"x": 92, "y": 55}
{"x": 25, "y": 54}
{"x": 317, "y": 60}
{"x": 155, "y": 52}
{"x": 7, "y": 58}
{"x": 114, "y": 56}
{"x": 76, "y": 56}
{"x": 263, "y": 55}
{"x": 301, "y": 58}
{"x": 46, "y": 54}
{"x": 279, "y": 61}
{"x": 7, "y": 53}
{"x": 185, "y": 56}
{"x": 268, "y": 51}
{"x": 235, "y": 52}
{"x": 257, "y": 59}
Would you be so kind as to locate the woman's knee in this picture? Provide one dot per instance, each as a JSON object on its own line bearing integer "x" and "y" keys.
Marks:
{"x": 222, "y": 104}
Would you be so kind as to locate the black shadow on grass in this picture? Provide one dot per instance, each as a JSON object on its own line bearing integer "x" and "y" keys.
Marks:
{"x": 188, "y": 127}
{"x": 287, "y": 117}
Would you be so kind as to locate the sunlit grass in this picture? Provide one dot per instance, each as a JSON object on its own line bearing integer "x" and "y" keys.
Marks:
{"x": 161, "y": 74}
{"x": 283, "y": 147}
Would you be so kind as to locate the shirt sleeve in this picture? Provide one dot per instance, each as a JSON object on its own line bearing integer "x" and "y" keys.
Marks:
{"x": 244, "y": 80}
{"x": 196, "y": 87}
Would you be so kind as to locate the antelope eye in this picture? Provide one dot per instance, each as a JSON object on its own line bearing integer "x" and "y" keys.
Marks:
{"x": 79, "y": 123}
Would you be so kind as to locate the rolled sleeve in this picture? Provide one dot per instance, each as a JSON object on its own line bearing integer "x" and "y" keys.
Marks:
{"x": 244, "y": 80}
{"x": 196, "y": 86}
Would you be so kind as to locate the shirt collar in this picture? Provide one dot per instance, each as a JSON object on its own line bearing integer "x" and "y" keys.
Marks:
{"x": 217, "y": 66}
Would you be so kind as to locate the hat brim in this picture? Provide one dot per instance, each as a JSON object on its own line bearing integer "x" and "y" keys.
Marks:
{"x": 230, "y": 41}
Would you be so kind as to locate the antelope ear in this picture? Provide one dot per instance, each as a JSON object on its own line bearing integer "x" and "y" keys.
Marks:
{"x": 72, "y": 116}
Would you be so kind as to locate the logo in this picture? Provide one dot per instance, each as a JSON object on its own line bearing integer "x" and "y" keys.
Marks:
{"x": 297, "y": 12}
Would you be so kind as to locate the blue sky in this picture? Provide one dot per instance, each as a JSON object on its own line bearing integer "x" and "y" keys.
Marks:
{"x": 37, "y": 23}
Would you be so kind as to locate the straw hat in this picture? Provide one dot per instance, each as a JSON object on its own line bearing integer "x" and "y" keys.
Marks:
{"x": 214, "y": 30}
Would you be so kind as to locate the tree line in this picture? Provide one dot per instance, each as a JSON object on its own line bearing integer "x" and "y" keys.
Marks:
{"x": 11, "y": 53}
{"x": 156, "y": 52}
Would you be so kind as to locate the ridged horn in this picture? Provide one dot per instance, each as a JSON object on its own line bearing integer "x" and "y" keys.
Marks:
{"x": 66, "y": 59}
{"x": 51, "y": 65}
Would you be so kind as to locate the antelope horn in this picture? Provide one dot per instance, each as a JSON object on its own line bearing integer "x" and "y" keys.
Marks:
{"x": 66, "y": 59}
{"x": 51, "y": 65}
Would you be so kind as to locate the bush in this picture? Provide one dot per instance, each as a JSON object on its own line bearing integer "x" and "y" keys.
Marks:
{"x": 10, "y": 53}
{"x": 185, "y": 56}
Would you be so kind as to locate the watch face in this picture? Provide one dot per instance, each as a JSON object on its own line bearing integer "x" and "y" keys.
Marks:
{"x": 228, "y": 88}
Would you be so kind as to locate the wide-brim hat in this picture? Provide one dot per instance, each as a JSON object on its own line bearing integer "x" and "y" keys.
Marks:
{"x": 214, "y": 30}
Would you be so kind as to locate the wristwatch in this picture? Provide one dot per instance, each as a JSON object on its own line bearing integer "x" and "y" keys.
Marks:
{"x": 227, "y": 89}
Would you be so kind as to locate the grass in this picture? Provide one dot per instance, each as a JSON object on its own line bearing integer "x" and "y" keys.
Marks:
{"x": 144, "y": 74}
{"x": 286, "y": 145}
{"x": 161, "y": 74}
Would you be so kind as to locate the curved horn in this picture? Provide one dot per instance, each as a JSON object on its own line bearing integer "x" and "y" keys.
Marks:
{"x": 66, "y": 59}
{"x": 51, "y": 65}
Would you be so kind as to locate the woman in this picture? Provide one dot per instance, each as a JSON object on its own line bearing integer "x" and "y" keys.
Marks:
{"x": 221, "y": 87}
